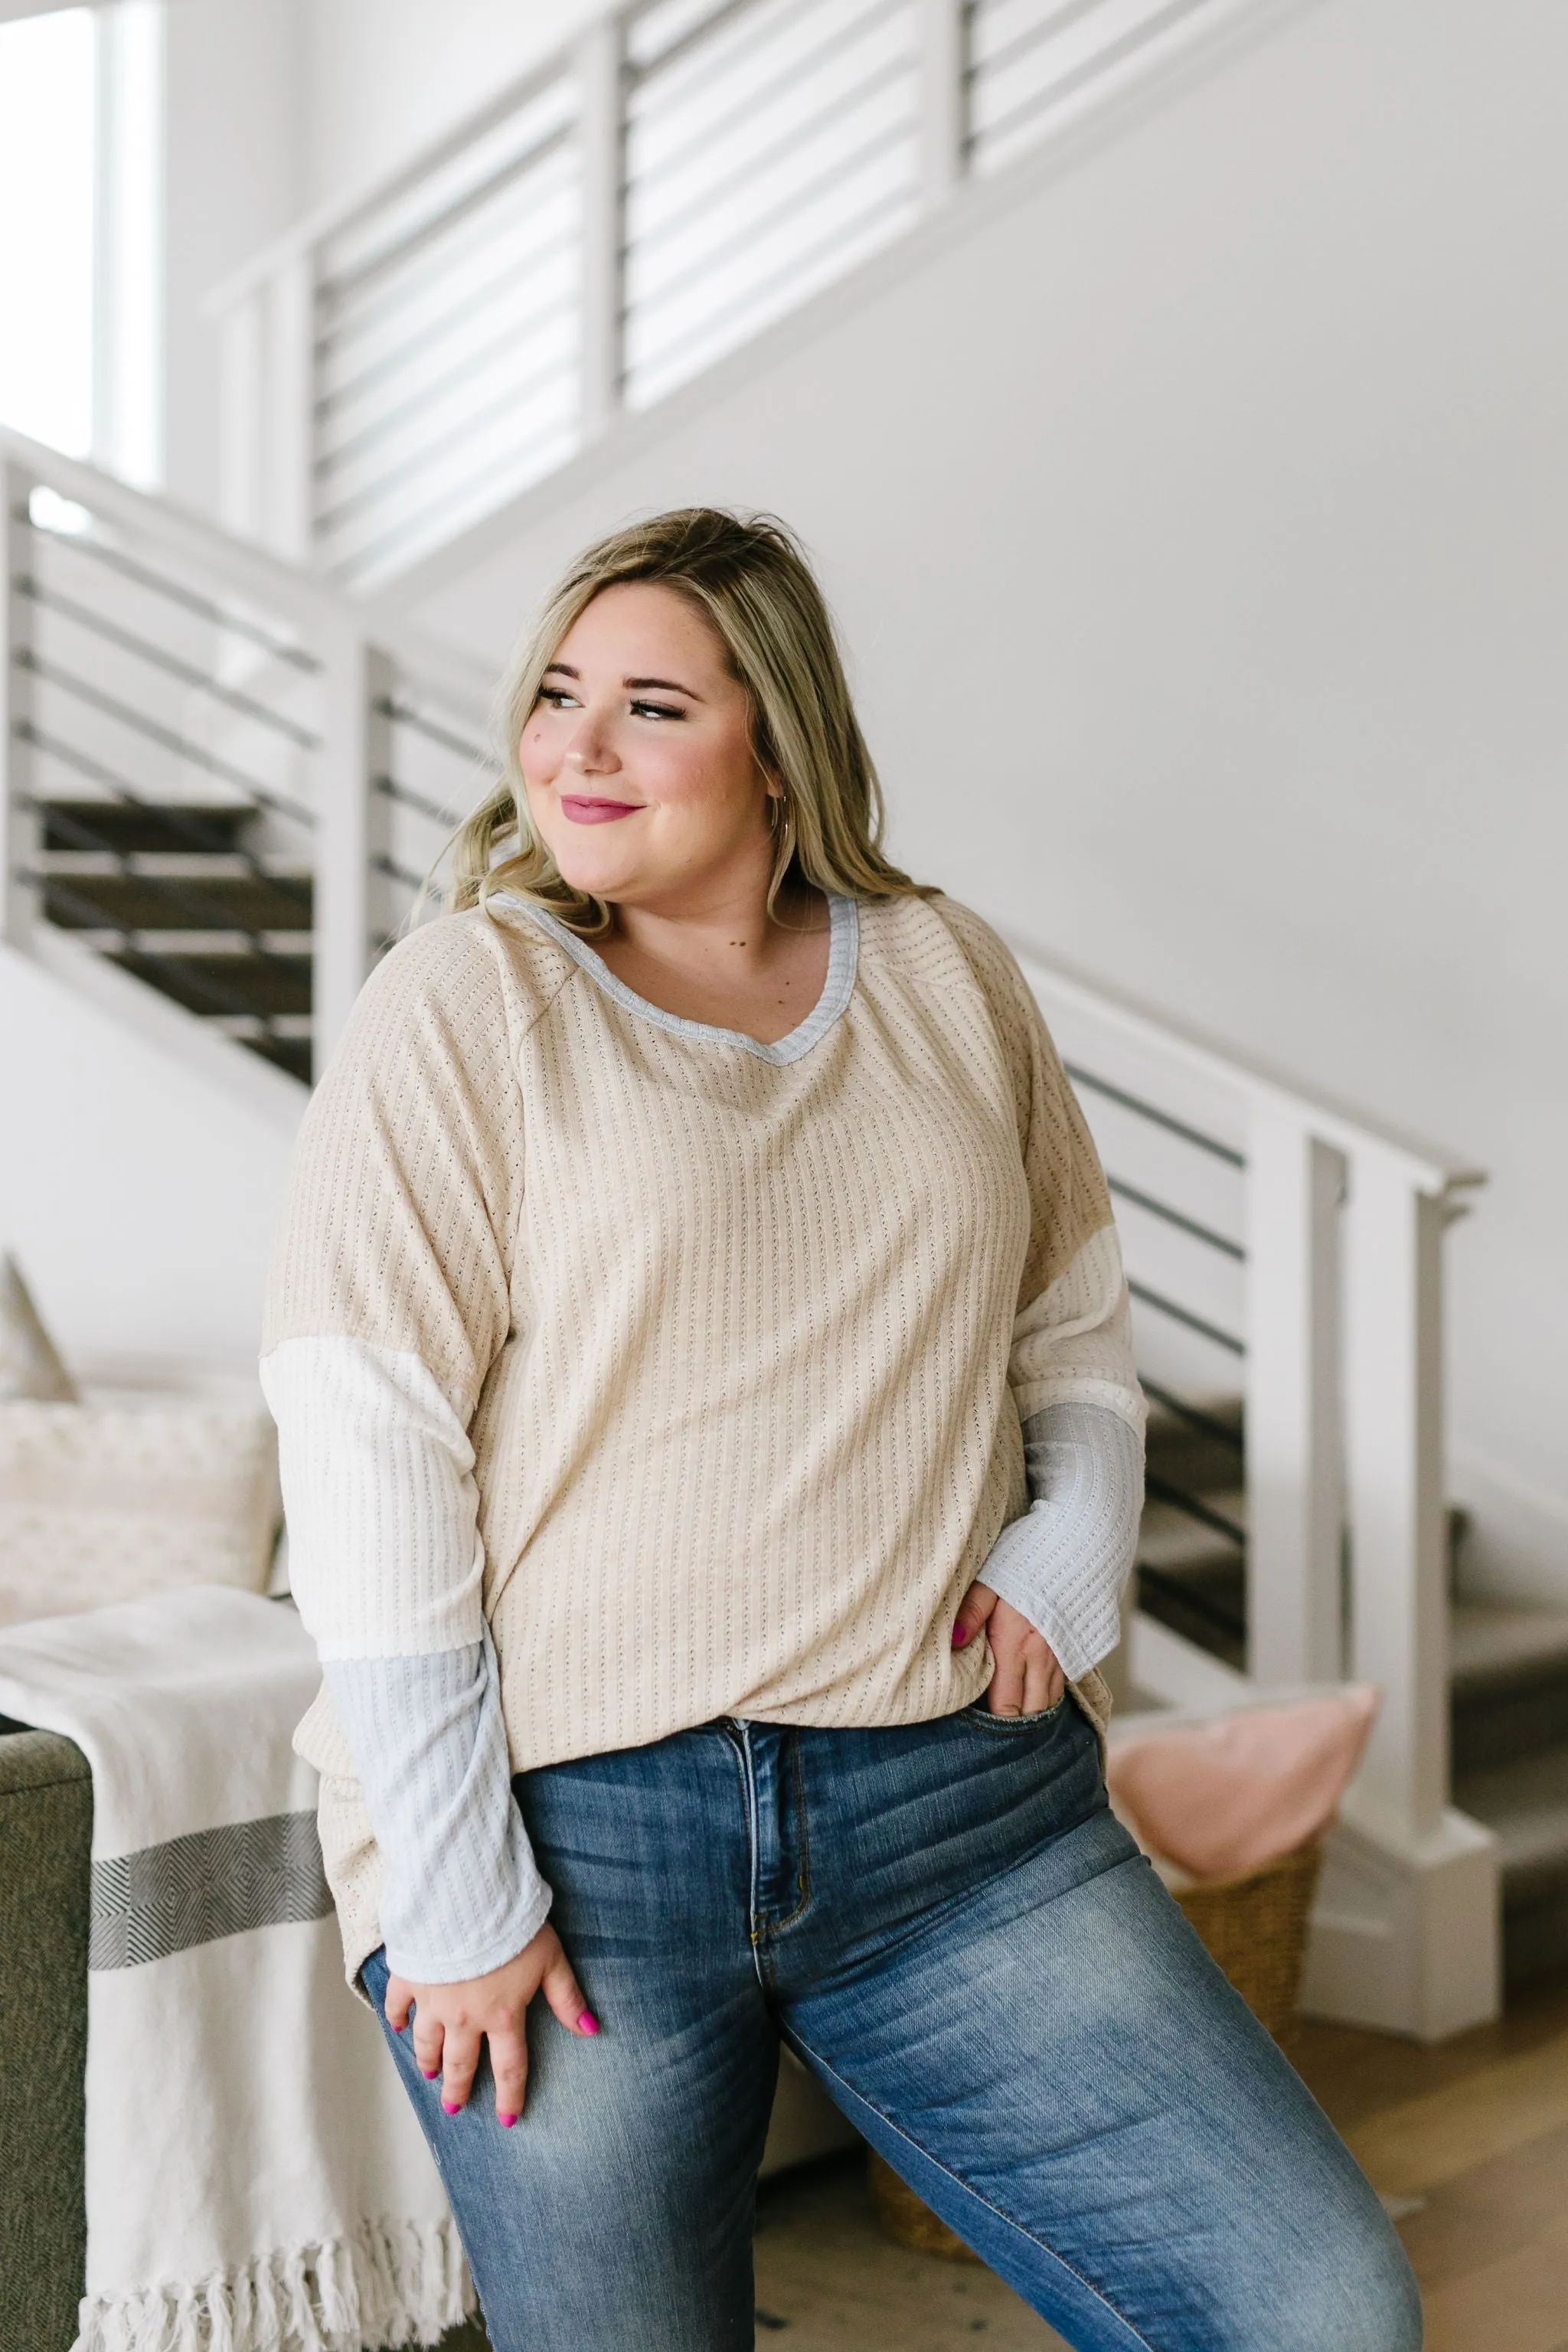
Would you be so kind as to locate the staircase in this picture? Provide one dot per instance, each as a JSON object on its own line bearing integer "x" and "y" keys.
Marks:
{"x": 1507, "y": 1672}
{"x": 175, "y": 893}
{"x": 218, "y": 780}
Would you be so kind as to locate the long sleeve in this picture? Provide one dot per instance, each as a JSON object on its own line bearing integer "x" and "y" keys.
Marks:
{"x": 1070, "y": 1367}
{"x": 1064, "y": 1563}
{"x": 389, "y": 1301}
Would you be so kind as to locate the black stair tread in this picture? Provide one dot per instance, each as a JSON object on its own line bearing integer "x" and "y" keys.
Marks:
{"x": 128, "y": 826}
{"x": 162, "y": 902}
{"x": 1190, "y": 1457}
{"x": 290, "y": 1053}
{"x": 1525, "y": 1805}
{"x": 1207, "y": 1609}
{"x": 1494, "y": 1646}
{"x": 224, "y": 983}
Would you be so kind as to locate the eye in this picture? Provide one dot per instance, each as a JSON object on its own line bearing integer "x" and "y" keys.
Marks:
{"x": 555, "y": 697}
{"x": 657, "y": 710}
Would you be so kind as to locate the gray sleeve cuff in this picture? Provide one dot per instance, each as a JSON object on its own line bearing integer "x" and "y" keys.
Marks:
{"x": 1064, "y": 1563}
{"x": 462, "y": 1893}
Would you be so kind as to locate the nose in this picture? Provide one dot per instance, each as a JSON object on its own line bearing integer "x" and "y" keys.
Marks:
{"x": 590, "y": 751}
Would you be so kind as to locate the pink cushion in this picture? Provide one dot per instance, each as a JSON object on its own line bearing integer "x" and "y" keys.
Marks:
{"x": 1224, "y": 1797}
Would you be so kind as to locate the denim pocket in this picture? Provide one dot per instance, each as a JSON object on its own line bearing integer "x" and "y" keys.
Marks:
{"x": 977, "y": 1711}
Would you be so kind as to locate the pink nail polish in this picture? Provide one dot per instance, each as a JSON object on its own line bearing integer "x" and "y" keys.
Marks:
{"x": 587, "y": 2023}
{"x": 506, "y": 2121}
{"x": 430, "y": 2074}
{"x": 451, "y": 2107}
{"x": 960, "y": 1635}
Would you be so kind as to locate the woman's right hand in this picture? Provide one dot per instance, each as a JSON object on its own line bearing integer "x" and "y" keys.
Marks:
{"x": 450, "y": 2021}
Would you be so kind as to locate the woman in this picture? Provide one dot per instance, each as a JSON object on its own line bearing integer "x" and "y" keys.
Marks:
{"x": 713, "y": 1454}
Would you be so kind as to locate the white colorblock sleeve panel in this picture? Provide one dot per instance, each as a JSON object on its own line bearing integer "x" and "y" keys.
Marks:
{"x": 1064, "y": 1563}
{"x": 384, "y": 1558}
{"x": 462, "y": 1893}
{"x": 1073, "y": 1344}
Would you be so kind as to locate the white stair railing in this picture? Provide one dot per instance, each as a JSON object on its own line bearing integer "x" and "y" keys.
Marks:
{"x": 201, "y": 756}
{"x": 1288, "y": 1251}
{"x": 685, "y": 173}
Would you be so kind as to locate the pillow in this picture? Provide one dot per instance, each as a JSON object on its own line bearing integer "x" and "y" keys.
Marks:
{"x": 102, "y": 1503}
{"x": 30, "y": 1366}
{"x": 1225, "y": 1797}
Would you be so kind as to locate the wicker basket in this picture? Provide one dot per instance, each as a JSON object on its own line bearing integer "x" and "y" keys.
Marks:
{"x": 1256, "y": 1928}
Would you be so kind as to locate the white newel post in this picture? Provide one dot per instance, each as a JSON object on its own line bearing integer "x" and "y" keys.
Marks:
{"x": 1407, "y": 1932}
{"x": 943, "y": 98}
{"x": 601, "y": 120}
{"x": 344, "y": 921}
{"x": 1393, "y": 1434}
{"x": 19, "y": 832}
{"x": 1294, "y": 1185}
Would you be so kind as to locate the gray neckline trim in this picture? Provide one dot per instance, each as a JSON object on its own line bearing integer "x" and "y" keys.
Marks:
{"x": 843, "y": 960}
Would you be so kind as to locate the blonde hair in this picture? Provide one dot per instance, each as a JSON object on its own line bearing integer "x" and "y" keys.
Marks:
{"x": 749, "y": 577}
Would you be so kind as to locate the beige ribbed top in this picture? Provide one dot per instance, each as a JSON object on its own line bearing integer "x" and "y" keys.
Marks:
{"x": 699, "y": 1366}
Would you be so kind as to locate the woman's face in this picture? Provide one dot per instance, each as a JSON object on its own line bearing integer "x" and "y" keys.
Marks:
{"x": 637, "y": 756}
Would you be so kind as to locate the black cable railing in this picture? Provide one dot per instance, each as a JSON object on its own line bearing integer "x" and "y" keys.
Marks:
{"x": 1175, "y": 1313}
{"x": 52, "y": 673}
{"x": 224, "y": 616}
{"x": 1177, "y": 1217}
{"x": 1196, "y": 1597}
{"x": 199, "y": 681}
{"x": 1154, "y": 1115}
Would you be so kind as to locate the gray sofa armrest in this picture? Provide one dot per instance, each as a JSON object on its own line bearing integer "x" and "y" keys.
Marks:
{"x": 45, "y": 1882}
{"x": 46, "y": 1832}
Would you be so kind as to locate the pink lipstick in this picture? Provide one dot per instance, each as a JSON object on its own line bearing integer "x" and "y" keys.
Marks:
{"x": 584, "y": 811}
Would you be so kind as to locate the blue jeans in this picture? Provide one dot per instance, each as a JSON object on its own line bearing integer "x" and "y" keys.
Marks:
{"x": 952, "y": 1931}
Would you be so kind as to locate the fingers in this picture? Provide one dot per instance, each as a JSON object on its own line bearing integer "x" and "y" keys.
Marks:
{"x": 508, "y": 2064}
{"x": 973, "y": 1612}
{"x": 459, "y": 2065}
{"x": 1044, "y": 1681}
{"x": 1027, "y": 1676}
{"x": 564, "y": 1994}
{"x": 429, "y": 2039}
{"x": 399, "y": 2001}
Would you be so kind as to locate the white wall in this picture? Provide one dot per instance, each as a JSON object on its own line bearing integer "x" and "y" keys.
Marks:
{"x": 234, "y": 111}
{"x": 139, "y": 1196}
{"x": 381, "y": 77}
{"x": 1200, "y": 531}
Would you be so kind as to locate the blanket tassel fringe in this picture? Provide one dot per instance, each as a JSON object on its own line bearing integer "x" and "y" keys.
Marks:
{"x": 392, "y": 2284}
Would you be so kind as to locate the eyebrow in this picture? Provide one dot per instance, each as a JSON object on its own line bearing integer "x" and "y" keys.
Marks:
{"x": 670, "y": 685}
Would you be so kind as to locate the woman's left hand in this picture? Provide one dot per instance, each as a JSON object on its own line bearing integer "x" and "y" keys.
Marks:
{"x": 1026, "y": 1677}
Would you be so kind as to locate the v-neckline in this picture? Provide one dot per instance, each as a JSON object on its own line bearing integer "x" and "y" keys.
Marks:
{"x": 843, "y": 959}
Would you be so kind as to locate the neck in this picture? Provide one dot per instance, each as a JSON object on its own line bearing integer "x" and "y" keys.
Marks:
{"x": 722, "y": 925}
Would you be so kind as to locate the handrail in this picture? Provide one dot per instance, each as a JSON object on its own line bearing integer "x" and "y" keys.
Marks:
{"x": 1427, "y": 1165}
{"x": 248, "y": 568}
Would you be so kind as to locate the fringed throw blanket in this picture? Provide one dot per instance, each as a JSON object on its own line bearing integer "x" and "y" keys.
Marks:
{"x": 255, "y": 2181}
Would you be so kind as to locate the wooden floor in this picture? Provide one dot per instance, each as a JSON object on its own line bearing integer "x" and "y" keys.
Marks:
{"x": 1472, "y": 2140}
{"x": 1474, "y": 2136}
